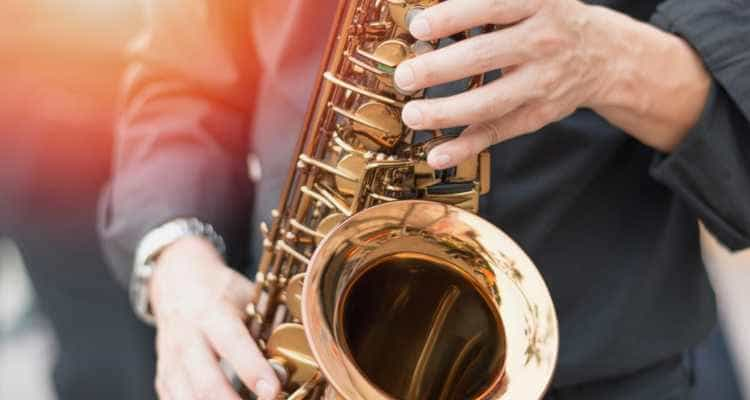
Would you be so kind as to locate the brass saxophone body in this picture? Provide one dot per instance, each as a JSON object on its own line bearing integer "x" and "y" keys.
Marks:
{"x": 377, "y": 279}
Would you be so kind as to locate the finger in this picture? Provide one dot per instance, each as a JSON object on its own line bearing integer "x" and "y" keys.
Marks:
{"x": 231, "y": 339}
{"x": 478, "y": 137}
{"x": 177, "y": 384}
{"x": 206, "y": 377}
{"x": 449, "y": 17}
{"x": 240, "y": 290}
{"x": 161, "y": 368}
{"x": 465, "y": 58}
{"x": 171, "y": 381}
{"x": 161, "y": 390}
{"x": 484, "y": 103}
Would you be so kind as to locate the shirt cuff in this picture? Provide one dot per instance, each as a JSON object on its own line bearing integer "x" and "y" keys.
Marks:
{"x": 707, "y": 172}
{"x": 694, "y": 141}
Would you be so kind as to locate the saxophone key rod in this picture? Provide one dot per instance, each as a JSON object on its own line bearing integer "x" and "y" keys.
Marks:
{"x": 329, "y": 76}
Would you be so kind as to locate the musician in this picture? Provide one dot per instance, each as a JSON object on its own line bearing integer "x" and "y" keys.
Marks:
{"x": 614, "y": 127}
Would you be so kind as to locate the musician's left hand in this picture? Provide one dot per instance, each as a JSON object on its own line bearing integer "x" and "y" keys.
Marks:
{"x": 556, "y": 56}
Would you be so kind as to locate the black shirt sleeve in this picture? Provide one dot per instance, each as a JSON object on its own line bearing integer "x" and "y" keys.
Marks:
{"x": 181, "y": 139}
{"x": 710, "y": 170}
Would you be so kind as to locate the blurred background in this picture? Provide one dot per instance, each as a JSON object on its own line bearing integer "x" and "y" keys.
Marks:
{"x": 65, "y": 326}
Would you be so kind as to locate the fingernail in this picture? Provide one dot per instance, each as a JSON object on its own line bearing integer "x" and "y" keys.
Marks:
{"x": 411, "y": 115}
{"x": 404, "y": 76}
{"x": 439, "y": 160}
{"x": 264, "y": 390}
{"x": 419, "y": 27}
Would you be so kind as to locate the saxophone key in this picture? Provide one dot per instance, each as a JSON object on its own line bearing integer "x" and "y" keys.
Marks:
{"x": 353, "y": 166}
{"x": 327, "y": 224}
{"x": 288, "y": 344}
{"x": 294, "y": 296}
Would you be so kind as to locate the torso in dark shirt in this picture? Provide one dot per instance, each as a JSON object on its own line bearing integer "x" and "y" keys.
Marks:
{"x": 619, "y": 251}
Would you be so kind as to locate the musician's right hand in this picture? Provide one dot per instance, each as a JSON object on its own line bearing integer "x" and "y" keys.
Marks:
{"x": 199, "y": 304}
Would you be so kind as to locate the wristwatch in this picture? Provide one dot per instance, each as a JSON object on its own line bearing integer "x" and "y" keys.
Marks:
{"x": 149, "y": 248}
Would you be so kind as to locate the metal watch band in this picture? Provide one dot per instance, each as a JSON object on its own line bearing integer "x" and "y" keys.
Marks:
{"x": 148, "y": 250}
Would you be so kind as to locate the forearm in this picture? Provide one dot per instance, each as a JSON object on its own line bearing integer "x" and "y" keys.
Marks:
{"x": 181, "y": 136}
{"x": 656, "y": 87}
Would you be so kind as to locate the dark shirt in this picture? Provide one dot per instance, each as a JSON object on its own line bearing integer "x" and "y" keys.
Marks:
{"x": 611, "y": 223}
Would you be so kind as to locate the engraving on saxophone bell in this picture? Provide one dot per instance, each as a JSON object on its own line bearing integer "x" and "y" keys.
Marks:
{"x": 377, "y": 280}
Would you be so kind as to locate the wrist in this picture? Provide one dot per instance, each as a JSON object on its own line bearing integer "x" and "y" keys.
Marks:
{"x": 188, "y": 247}
{"x": 173, "y": 261}
{"x": 152, "y": 247}
{"x": 654, "y": 86}
{"x": 612, "y": 33}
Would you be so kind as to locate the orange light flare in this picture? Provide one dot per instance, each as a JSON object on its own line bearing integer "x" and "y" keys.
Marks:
{"x": 61, "y": 63}
{"x": 67, "y": 26}
{"x": 64, "y": 48}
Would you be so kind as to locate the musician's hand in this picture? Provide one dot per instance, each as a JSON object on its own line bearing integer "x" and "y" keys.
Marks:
{"x": 198, "y": 303}
{"x": 556, "y": 56}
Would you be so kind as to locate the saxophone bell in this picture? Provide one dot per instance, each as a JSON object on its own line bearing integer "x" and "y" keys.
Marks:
{"x": 422, "y": 300}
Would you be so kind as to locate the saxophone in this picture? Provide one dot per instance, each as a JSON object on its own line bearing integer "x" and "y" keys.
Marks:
{"x": 377, "y": 279}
